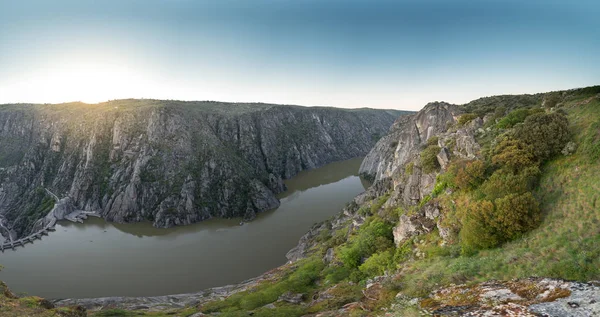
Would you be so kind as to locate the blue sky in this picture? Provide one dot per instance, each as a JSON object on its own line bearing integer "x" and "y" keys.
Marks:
{"x": 384, "y": 54}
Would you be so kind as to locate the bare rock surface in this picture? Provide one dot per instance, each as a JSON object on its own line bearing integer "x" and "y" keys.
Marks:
{"x": 168, "y": 162}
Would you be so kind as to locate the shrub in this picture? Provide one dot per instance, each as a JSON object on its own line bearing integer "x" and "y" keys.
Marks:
{"x": 551, "y": 100}
{"x": 305, "y": 275}
{"x": 513, "y": 154}
{"x": 476, "y": 233}
{"x": 376, "y": 205}
{"x": 351, "y": 256}
{"x": 403, "y": 251}
{"x": 487, "y": 224}
{"x": 438, "y": 188}
{"x": 504, "y": 181}
{"x": 466, "y": 118}
{"x": 514, "y": 117}
{"x": 374, "y": 236}
{"x": 433, "y": 140}
{"x": 499, "y": 112}
{"x": 338, "y": 237}
{"x": 546, "y": 133}
{"x": 471, "y": 176}
{"x": 429, "y": 161}
{"x": 377, "y": 264}
{"x": 336, "y": 274}
{"x": 515, "y": 214}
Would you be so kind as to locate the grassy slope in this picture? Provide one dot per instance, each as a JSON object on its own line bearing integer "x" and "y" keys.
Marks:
{"x": 566, "y": 244}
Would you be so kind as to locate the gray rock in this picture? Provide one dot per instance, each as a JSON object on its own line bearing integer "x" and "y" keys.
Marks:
{"x": 444, "y": 158}
{"x": 170, "y": 162}
{"x": 432, "y": 211}
{"x": 406, "y": 138}
{"x": 291, "y": 298}
{"x": 411, "y": 226}
{"x": 583, "y": 301}
{"x": 329, "y": 255}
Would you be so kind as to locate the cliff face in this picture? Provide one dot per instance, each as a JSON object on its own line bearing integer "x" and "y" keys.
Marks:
{"x": 169, "y": 162}
{"x": 406, "y": 138}
{"x": 387, "y": 165}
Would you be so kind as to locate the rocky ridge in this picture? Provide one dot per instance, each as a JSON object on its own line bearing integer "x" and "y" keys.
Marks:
{"x": 169, "y": 162}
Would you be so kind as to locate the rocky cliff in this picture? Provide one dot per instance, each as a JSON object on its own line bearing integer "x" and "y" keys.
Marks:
{"x": 169, "y": 162}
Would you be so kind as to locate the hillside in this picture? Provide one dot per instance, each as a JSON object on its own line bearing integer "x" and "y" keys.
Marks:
{"x": 488, "y": 208}
{"x": 398, "y": 248}
{"x": 168, "y": 162}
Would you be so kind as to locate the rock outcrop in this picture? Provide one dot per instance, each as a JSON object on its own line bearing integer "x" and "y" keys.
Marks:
{"x": 406, "y": 139}
{"x": 169, "y": 162}
{"x": 525, "y": 297}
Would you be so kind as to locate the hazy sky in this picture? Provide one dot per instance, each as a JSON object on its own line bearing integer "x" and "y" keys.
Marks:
{"x": 387, "y": 54}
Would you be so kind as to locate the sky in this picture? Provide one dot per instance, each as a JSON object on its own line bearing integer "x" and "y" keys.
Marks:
{"x": 343, "y": 53}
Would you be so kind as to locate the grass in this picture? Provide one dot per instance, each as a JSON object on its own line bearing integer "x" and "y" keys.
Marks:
{"x": 566, "y": 244}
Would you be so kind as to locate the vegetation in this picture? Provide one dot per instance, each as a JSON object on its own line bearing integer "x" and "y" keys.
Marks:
{"x": 466, "y": 118}
{"x": 429, "y": 161}
{"x": 521, "y": 209}
{"x": 516, "y": 198}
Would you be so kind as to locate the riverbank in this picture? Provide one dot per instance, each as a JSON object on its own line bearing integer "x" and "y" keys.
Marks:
{"x": 137, "y": 259}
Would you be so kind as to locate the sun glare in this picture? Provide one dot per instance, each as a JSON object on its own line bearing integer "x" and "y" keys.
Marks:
{"x": 89, "y": 83}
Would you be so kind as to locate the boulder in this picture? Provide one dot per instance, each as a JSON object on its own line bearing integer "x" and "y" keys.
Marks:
{"x": 411, "y": 226}
{"x": 444, "y": 157}
{"x": 292, "y": 298}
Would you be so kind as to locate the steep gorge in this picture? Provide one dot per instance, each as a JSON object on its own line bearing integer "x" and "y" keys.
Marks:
{"x": 169, "y": 162}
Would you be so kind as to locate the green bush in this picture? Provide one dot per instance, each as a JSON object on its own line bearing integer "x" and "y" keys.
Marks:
{"x": 547, "y": 134}
{"x": 551, "y": 100}
{"x": 374, "y": 236}
{"x": 505, "y": 181}
{"x": 487, "y": 225}
{"x": 476, "y": 233}
{"x": 466, "y": 118}
{"x": 305, "y": 275}
{"x": 513, "y": 154}
{"x": 515, "y": 214}
{"x": 470, "y": 176}
{"x": 429, "y": 161}
{"x": 514, "y": 117}
{"x": 433, "y": 141}
{"x": 377, "y": 264}
{"x": 376, "y": 205}
{"x": 403, "y": 251}
{"x": 336, "y": 274}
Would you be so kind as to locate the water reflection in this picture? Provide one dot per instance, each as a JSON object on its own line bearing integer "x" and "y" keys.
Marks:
{"x": 106, "y": 259}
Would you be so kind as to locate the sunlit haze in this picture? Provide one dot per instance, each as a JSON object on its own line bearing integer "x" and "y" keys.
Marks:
{"x": 382, "y": 54}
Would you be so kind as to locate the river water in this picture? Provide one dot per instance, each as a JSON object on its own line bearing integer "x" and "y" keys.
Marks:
{"x": 99, "y": 258}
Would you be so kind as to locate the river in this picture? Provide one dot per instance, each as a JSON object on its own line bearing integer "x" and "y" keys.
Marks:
{"x": 99, "y": 258}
